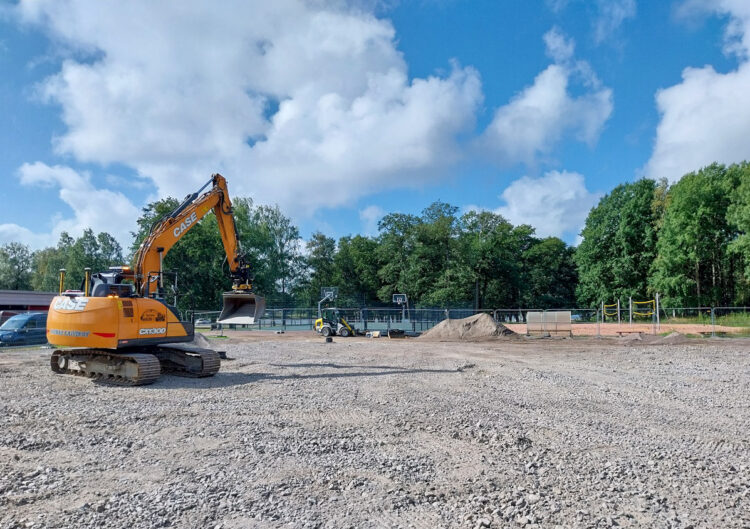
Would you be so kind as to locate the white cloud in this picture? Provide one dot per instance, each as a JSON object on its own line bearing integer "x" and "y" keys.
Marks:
{"x": 306, "y": 104}
{"x": 706, "y": 117}
{"x": 555, "y": 204}
{"x": 98, "y": 209}
{"x": 607, "y": 17}
{"x": 178, "y": 91}
{"x": 611, "y": 15}
{"x": 370, "y": 216}
{"x": 559, "y": 47}
{"x": 15, "y": 233}
{"x": 536, "y": 120}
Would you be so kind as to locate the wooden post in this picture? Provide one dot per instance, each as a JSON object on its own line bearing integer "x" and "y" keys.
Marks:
{"x": 619, "y": 321}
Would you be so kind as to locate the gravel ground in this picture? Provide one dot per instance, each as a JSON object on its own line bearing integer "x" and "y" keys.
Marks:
{"x": 383, "y": 433}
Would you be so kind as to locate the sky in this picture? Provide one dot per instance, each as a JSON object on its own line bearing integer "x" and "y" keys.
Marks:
{"x": 342, "y": 111}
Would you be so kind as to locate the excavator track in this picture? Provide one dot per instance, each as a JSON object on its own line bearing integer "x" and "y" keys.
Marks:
{"x": 101, "y": 365}
{"x": 187, "y": 361}
{"x": 136, "y": 368}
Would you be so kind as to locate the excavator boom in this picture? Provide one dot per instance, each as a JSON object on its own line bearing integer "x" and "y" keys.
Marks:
{"x": 240, "y": 305}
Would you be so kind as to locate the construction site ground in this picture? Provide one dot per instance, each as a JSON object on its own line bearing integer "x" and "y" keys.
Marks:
{"x": 295, "y": 432}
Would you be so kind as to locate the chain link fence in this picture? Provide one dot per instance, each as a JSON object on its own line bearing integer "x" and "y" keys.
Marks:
{"x": 691, "y": 321}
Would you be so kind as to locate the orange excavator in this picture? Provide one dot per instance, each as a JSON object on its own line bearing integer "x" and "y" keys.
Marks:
{"x": 119, "y": 325}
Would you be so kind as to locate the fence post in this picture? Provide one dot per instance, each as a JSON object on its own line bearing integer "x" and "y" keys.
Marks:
{"x": 630, "y": 309}
{"x": 602, "y": 312}
{"x": 713, "y": 323}
{"x": 619, "y": 321}
{"x": 658, "y": 324}
{"x": 598, "y": 331}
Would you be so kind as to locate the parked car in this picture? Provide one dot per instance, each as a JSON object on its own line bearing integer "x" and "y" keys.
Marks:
{"x": 202, "y": 322}
{"x": 24, "y": 329}
{"x": 5, "y": 315}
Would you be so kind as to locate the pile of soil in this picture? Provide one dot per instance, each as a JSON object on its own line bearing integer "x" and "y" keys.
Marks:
{"x": 673, "y": 338}
{"x": 477, "y": 327}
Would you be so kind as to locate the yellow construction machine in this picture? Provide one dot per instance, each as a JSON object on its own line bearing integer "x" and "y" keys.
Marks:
{"x": 119, "y": 324}
{"x": 331, "y": 323}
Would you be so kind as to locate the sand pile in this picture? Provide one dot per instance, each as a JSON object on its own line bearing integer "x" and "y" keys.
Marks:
{"x": 477, "y": 327}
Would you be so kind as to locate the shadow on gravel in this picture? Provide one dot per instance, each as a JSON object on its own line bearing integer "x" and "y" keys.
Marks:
{"x": 225, "y": 379}
{"x": 340, "y": 366}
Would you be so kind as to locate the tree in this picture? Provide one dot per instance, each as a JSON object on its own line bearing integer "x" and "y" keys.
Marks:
{"x": 619, "y": 243}
{"x": 395, "y": 244}
{"x": 46, "y": 265}
{"x": 97, "y": 252}
{"x": 489, "y": 261}
{"x": 356, "y": 270}
{"x": 15, "y": 266}
{"x": 434, "y": 249}
{"x": 276, "y": 242}
{"x": 550, "y": 278}
{"x": 738, "y": 216}
{"x": 320, "y": 264}
{"x": 691, "y": 268}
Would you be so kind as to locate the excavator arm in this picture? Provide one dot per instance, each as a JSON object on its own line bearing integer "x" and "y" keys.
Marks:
{"x": 165, "y": 233}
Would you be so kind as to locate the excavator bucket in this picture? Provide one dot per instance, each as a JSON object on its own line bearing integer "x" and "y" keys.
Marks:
{"x": 241, "y": 308}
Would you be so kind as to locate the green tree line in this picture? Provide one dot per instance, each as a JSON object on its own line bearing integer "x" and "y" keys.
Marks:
{"x": 689, "y": 241}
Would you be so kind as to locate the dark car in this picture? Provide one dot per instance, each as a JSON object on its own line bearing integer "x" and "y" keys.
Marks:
{"x": 24, "y": 329}
{"x": 5, "y": 315}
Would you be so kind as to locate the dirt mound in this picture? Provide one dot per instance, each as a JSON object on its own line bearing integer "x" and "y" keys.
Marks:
{"x": 477, "y": 327}
{"x": 672, "y": 338}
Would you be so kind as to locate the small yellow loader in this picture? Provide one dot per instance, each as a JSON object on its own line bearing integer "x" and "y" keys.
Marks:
{"x": 332, "y": 323}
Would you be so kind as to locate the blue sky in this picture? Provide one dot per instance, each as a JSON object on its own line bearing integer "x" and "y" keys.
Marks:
{"x": 342, "y": 111}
